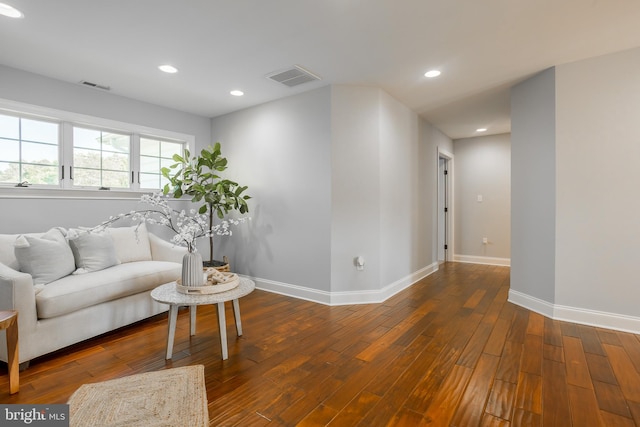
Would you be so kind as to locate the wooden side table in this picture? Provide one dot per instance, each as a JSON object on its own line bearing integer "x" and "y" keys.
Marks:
{"x": 9, "y": 322}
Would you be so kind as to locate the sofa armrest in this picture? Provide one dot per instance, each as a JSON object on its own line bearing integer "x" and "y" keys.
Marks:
{"x": 18, "y": 293}
{"x": 161, "y": 250}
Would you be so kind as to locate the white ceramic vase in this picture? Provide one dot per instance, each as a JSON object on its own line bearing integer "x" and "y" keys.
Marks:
{"x": 192, "y": 269}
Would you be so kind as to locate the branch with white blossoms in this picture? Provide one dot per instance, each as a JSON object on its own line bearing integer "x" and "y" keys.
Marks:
{"x": 187, "y": 226}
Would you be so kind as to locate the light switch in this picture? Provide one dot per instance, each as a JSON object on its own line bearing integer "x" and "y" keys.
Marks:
{"x": 479, "y": 197}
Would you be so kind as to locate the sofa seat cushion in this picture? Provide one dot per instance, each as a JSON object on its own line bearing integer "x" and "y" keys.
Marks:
{"x": 74, "y": 292}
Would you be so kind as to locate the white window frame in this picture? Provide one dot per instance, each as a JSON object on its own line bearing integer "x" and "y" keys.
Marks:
{"x": 27, "y": 116}
{"x": 139, "y": 154}
{"x": 67, "y": 120}
{"x": 70, "y": 146}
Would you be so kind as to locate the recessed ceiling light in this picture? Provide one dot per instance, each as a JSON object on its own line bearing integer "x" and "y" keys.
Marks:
{"x": 432, "y": 73}
{"x": 236, "y": 93}
{"x": 10, "y": 11}
{"x": 481, "y": 130}
{"x": 168, "y": 69}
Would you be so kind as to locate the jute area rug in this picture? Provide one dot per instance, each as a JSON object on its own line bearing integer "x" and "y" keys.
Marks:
{"x": 172, "y": 398}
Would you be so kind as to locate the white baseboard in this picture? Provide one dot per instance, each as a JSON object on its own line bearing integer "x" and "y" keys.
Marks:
{"x": 486, "y": 260}
{"x": 601, "y": 319}
{"x": 346, "y": 297}
{"x": 532, "y": 303}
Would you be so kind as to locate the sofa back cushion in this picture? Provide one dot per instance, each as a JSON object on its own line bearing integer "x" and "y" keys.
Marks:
{"x": 45, "y": 258}
{"x": 131, "y": 243}
{"x": 7, "y": 252}
{"x": 93, "y": 251}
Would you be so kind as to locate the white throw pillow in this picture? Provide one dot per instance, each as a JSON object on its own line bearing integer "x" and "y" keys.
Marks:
{"x": 131, "y": 243}
{"x": 46, "y": 258}
{"x": 92, "y": 251}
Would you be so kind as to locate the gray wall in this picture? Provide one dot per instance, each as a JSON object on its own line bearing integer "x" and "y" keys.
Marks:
{"x": 575, "y": 209}
{"x": 598, "y": 163}
{"x": 403, "y": 223}
{"x": 483, "y": 168}
{"x": 533, "y": 186}
{"x": 355, "y": 186}
{"x": 23, "y": 214}
{"x": 281, "y": 151}
{"x": 336, "y": 173}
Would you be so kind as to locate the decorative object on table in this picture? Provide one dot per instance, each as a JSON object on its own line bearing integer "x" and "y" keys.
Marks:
{"x": 215, "y": 282}
{"x": 187, "y": 226}
{"x": 192, "y": 269}
{"x": 225, "y": 265}
{"x": 198, "y": 177}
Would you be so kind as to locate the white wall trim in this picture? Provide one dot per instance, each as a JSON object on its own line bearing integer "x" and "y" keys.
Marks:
{"x": 583, "y": 316}
{"x": 295, "y": 291}
{"x": 486, "y": 260}
{"x": 346, "y": 297}
{"x": 532, "y": 303}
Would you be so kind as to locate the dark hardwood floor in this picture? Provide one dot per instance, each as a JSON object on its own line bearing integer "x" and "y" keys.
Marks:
{"x": 449, "y": 351}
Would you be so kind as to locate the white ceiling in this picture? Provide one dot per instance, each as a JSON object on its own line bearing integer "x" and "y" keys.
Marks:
{"x": 482, "y": 47}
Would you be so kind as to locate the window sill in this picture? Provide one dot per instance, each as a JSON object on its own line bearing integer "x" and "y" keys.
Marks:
{"x": 74, "y": 193}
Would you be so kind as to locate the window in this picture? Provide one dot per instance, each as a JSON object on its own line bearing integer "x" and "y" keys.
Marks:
{"x": 154, "y": 155}
{"x": 101, "y": 159}
{"x": 29, "y": 151}
{"x": 49, "y": 148}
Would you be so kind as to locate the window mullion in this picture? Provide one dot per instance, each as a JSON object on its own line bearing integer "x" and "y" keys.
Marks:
{"x": 66, "y": 150}
{"x": 135, "y": 161}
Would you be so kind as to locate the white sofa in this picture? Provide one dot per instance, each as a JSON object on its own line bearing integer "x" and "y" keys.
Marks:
{"x": 90, "y": 299}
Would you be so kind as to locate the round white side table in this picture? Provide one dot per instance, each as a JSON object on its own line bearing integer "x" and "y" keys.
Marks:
{"x": 167, "y": 294}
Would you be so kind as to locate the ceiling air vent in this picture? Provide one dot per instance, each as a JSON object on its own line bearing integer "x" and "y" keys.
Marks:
{"x": 94, "y": 85}
{"x": 293, "y": 76}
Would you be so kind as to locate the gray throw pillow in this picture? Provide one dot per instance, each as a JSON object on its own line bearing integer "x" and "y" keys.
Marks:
{"x": 92, "y": 251}
{"x": 45, "y": 258}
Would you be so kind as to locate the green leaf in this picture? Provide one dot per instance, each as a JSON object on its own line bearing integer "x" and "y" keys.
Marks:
{"x": 196, "y": 177}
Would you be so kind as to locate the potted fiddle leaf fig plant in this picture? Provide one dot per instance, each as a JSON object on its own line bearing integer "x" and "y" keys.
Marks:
{"x": 198, "y": 178}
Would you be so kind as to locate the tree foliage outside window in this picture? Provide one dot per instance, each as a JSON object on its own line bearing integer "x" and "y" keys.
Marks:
{"x": 101, "y": 159}
{"x": 156, "y": 154}
{"x": 28, "y": 151}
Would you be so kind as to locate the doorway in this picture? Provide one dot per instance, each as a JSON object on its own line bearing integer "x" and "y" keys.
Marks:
{"x": 445, "y": 208}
